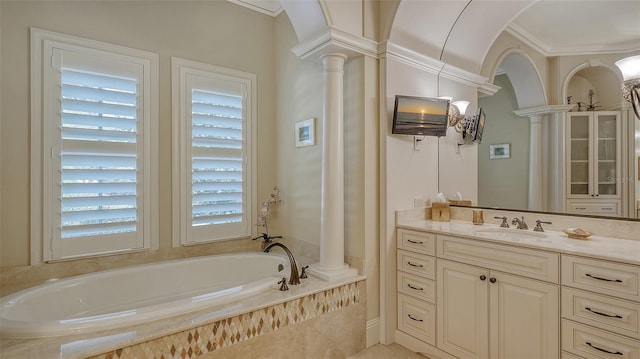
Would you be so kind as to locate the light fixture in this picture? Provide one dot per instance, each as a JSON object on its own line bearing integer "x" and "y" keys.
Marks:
{"x": 457, "y": 120}
{"x": 630, "y": 68}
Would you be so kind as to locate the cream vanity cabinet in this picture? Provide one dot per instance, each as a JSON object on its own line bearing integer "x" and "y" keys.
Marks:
{"x": 593, "y": 163}
{"x": 600, "y": 309}
{"x": 496, "y": 301}
{"x": 416, "y": 284}
{"x": 474, "y": 299}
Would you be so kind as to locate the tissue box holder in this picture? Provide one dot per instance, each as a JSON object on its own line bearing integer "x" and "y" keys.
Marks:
{"x": 440, "y": 212}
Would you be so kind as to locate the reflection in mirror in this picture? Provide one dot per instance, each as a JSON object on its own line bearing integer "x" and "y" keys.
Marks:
{"x": 505, "y": 181}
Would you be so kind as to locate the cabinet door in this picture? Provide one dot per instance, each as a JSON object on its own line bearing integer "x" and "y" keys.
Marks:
{"x": 606, "y": 154}
{"x": 463, "y": 319}
{"x": 525, "y": 317}
{"x": 579, "y": 152}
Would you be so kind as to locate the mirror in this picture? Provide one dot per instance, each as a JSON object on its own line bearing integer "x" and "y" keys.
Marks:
{"x": 504, "y": 154}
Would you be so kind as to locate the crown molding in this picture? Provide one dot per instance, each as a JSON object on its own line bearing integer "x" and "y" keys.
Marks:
{"x": 271, "y": 8}
{"x": 548, "y": 51}
{"x": 542, "y": 110}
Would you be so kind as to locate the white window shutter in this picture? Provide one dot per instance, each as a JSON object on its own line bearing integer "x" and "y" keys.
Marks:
{"x": 214, "y": 177}
{"x": 96, "y": 152}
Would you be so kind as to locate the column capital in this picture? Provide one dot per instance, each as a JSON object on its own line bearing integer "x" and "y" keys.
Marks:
{"x": 332, "y": 41}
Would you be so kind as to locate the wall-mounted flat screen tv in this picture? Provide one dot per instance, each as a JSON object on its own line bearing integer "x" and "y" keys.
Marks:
{"x": 421, "y": 116}
{"x": 479, "y": 126}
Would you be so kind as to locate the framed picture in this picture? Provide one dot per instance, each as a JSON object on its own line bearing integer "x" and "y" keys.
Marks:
{"x": 305, "y": 133}
{"x": 500, "y": 151}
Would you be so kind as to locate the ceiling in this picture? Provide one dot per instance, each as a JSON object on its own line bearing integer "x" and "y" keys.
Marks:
{"x": 567, "y": 27}
{"x": 555, "y": 27}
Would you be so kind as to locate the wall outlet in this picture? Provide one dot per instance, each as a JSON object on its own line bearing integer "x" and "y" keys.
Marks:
{"x": 419, "y": 202}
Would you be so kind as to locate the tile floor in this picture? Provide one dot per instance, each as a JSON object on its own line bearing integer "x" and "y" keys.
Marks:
{"x": 392, "y": 351}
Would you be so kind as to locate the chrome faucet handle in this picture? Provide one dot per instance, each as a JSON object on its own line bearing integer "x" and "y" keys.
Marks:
{"x": 303, "y": 274}
{"x": 284, "y": 286}
{"x": 504, "y": 223}
{"x": 538, "y": 227}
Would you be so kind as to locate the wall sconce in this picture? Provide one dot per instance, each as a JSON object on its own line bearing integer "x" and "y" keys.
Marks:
{"x": 630, "y": 68}
{"x": 456, "y": 115}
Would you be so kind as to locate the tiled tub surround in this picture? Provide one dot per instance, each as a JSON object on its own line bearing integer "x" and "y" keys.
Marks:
{"x": 582, "y": 296}
{"x": 271, "y": 321}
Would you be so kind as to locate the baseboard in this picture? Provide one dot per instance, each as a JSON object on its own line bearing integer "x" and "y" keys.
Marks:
{"x": 419, "y": 346}
{"x": 373, "y": 332}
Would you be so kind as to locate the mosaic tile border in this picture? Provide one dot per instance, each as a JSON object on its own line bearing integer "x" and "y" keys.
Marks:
{"x": 207, "y": 338}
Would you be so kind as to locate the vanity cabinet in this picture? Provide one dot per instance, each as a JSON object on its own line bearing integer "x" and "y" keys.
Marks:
{"x": 416, "y": 284}
{"x": 600, "y": 308}
{"x": 488, "y": 313}
{"x": 593, "y": 161}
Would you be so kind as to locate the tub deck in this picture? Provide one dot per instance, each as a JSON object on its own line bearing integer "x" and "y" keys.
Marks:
{"x": 92, "y": 344}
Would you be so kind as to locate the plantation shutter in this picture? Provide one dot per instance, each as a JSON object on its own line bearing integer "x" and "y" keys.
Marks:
{"x": 218, "y": 158}
{"x": 97, "y": 155}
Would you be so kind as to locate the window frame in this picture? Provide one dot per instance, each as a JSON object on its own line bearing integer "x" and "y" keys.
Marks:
{"x": 42, "y": 43}
{"x": 182, "y": 166}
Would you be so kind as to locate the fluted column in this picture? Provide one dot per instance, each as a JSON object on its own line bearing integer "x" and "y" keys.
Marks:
{"x": 332, "y": 265}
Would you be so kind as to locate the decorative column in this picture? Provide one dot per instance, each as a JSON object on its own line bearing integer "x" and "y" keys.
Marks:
{"x": 535, "y": 164}
{"x": 541, "y": 179}
{"x": 332, "y": 266}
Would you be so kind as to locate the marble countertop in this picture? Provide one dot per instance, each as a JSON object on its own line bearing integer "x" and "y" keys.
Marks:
{"x": 89, "y": 344}
{"x": 614, "y": 249}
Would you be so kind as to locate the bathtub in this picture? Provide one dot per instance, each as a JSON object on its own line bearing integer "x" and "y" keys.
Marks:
{"x": 120, "y": 297}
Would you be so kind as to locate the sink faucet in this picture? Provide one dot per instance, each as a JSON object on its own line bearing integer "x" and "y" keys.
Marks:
{"x": 539, "y": 226}
{"x": 521, "y": 224}
{"x": 294, "y": 278}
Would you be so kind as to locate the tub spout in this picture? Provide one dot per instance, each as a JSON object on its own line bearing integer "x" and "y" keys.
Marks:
{"x": 294, "y": 278}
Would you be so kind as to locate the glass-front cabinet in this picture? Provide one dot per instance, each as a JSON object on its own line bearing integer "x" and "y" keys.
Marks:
{"x": 593, "y": 162}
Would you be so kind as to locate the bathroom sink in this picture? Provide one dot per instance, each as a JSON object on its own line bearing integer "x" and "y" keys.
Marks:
{"x": 511, "y": 234}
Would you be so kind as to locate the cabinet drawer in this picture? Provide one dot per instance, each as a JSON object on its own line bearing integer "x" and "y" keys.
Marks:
{"x": 616, "y": 315}
{"x": 418, "y": 264}
{"x": 526, "y": 262}
{"x": 588, "y": 342}
{"x": 603, "y": 208}
{"x": 416, "y": 241}
{"x": 566, "y": 355}
{"x": 417, "y": 318}
{"x": 615, "y": 279}
{"x": 416, "y": 286}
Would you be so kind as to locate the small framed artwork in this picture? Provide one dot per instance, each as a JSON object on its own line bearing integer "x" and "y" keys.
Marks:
{"x": 305, "y": 133}
{"x": 500, "y": 151}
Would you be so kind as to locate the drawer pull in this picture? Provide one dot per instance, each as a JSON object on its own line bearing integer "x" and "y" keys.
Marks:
{"x": 415, "y": 265}
{"x": 603, "y": 350}
{"x": 412, "y": 318}
{"x": 603, "y": 314}
{"x": 418, "y": 288}
{"x": 604, "y": 279}
{"x": 415, "y": 242}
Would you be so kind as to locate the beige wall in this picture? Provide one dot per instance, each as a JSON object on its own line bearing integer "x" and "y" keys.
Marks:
{"x": 218, "y": 33}
{"x": 223, "y": 34}
{"x": 504, "y": 182}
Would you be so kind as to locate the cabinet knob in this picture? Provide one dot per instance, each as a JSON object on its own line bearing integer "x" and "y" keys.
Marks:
{"x": 492, "y": 280}
{"x": 483, "y": 277}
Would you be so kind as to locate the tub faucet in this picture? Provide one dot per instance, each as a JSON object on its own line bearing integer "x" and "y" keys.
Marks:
{"x": 294, "y": 278}
{"x": 521, "y": 224}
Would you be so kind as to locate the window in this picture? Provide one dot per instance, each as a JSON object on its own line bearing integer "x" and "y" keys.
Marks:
{"x": 96, "y": 162}
{"x": 213, "y": 174}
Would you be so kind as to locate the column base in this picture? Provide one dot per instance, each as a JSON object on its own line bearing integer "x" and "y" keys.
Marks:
{"x": 331, "y": 274}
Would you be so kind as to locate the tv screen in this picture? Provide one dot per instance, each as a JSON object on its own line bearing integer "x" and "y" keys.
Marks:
{"x": 422, "y": 116}
{"x": 479, "y": 125}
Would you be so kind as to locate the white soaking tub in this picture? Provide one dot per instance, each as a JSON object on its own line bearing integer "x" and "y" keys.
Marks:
{"x": 121, "y": 297}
